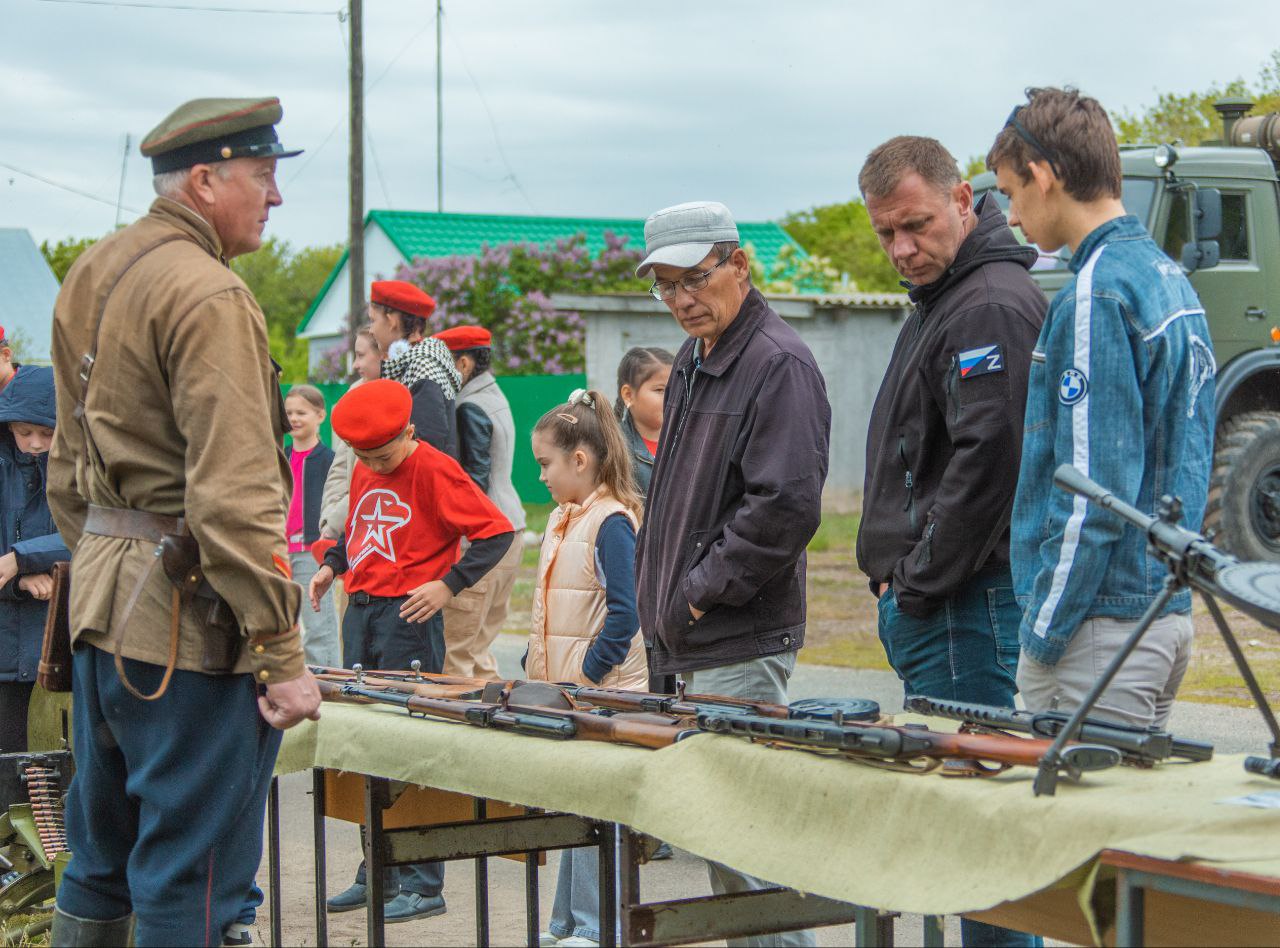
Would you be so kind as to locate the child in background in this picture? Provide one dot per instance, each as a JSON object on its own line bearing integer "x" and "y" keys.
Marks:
{"x": 410, "y": 506}
{"x": 366, "y": 361}
{"x": 309, "y": 458}
{"x": 584, "y": 626}
{"x": 30, "y": 542}
{"x": 643, "y": 374}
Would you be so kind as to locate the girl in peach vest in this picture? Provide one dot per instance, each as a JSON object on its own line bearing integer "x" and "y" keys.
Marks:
{"x": 584, "y": 627}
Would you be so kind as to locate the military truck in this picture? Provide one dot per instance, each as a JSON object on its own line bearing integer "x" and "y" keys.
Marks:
{"x": 1215, "y": 209}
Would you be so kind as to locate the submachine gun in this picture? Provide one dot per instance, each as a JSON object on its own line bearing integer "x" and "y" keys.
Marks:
{"x": 1194, "y": 563}
{"x": 1138, "y": 746}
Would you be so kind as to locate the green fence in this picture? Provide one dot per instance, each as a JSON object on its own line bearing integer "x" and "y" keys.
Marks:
{"x": 530, "y": 397}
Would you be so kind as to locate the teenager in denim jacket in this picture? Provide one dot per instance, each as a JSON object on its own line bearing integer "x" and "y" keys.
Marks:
{"x": 1122, "y": 387}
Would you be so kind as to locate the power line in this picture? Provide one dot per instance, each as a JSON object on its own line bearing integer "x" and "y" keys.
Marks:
{"x": 313, "y": 153}
{"x": 192, "y": 7}
{"x": 493, "y": 125}
{"x": 67, "y": 187}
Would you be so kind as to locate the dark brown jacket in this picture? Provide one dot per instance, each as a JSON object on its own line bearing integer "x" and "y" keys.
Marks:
{"x": 735, "y": 498}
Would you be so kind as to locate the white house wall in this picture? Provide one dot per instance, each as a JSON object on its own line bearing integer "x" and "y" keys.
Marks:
{"x": 852, "y": 345}
{"x": 381, "y": 258}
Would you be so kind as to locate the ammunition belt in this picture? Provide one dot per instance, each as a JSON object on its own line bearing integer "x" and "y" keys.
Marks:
{"x": 44, "y": 790}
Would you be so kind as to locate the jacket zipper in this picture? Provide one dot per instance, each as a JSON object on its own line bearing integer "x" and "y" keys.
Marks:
{"x": 910, "y": 505}
{"x": 926, "y": 552}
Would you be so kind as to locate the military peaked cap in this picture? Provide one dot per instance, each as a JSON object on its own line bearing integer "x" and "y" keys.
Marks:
{"x": 203, "y": 131}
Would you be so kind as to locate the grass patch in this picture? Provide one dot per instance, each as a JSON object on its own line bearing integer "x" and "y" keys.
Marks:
{"x": 841, "y": 623}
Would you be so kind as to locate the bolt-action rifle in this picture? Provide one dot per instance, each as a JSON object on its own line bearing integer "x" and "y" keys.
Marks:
{"x": 1140, "y": 746}
{"x": 650, "y": 731}
{"x": 903, "y": 745}
{"x": 906, "y": 744}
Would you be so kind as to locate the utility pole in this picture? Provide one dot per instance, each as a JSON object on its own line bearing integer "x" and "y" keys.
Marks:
{"x": 439, "y": 107}
{"x": 124, "y": 166}
{"x": 355, "y": 222}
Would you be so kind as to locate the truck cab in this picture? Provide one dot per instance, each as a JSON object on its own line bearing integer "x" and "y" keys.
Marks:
{"x": 1215, "y": 209}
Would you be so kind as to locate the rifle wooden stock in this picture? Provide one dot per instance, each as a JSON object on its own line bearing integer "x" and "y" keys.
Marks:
{"x": 651, "y": 731}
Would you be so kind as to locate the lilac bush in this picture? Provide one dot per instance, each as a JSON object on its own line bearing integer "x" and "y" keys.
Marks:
{"x": 507, "y": 289}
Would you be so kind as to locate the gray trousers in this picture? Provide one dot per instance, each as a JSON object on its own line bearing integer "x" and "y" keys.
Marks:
{"x": 320, "y": 639}
{"x": 1143, "y": 690}
{"x": 758, "y": 679}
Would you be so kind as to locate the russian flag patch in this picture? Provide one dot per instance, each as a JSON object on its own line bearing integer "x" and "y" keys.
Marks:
{"x": 981, "y": 361}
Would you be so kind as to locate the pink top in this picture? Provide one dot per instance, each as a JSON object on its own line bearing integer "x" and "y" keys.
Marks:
{"x": 293, "y": 526}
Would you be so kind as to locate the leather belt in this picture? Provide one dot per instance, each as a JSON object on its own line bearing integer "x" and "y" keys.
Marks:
{"x": 126, "y": 524}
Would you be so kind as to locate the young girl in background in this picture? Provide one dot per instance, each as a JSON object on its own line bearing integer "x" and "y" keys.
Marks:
{"x": 643, "y": 374}
{"x": 309, "y": 459}
{"x": 584, "y": 626}
{"x": 366, "y": 362}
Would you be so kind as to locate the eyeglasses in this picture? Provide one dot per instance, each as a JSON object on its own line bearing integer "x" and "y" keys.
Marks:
{"x": 1031, "y": 140}
{"x": 693, "y": 282}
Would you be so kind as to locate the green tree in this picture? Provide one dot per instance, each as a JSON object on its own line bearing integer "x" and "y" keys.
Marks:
{"x": 64, "y": 253}
{"x": 284, "y": 282}
{"x": 842, "y": 234}
{"x": 1190, "y": 118}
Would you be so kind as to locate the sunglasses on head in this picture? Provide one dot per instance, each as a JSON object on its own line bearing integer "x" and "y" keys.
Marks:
{"x": 1031, "y": 140}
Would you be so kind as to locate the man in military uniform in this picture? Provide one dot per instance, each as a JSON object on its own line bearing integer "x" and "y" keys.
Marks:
{"x": 168, "y": 482}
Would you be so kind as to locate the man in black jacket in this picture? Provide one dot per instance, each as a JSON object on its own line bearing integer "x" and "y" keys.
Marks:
{"x": 736, "y": 493}
{"x": 946, "y": 435}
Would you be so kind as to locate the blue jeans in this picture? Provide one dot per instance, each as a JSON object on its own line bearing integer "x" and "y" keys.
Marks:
{"x": 165, "y": 811}
{"x": 576, "y": 910}
{"x": 965, "y": 651}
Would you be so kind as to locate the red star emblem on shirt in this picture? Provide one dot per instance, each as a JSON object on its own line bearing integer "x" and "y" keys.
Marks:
{"x": 379, "y": 514}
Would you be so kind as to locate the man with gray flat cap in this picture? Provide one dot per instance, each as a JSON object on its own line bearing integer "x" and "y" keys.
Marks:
{"x": 168, "y": 482}
{"x": 737, "y": 482}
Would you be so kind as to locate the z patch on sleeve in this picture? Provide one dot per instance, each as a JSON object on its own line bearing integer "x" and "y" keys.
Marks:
{"x": 981, "y": 361}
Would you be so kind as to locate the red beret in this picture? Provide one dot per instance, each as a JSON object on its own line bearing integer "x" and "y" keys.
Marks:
{"x": 372, "y": 414}
{"x": 462, "y": 338}
{"x": 402, "y": 296}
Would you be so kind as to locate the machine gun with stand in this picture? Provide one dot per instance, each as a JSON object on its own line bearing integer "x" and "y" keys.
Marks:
{"x": 1194, "y": 563}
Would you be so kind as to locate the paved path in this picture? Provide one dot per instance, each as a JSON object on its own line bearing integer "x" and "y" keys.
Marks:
{"x": 1232, "y": 730}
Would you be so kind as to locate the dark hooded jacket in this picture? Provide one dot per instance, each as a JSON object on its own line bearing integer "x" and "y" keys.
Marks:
{"x": 945, "y": 437}
{"x": 26, "y": 527}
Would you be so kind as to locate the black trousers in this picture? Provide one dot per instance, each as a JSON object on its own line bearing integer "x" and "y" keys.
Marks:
{"x": 374, "y": 635}
{"x": 14, "y": 698}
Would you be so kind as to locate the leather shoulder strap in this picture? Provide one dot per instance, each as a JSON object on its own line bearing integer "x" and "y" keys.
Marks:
{"x": 90, "y": 357}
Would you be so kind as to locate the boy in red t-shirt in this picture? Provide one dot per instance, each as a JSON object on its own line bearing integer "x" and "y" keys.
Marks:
{"x": 410, "y": 506}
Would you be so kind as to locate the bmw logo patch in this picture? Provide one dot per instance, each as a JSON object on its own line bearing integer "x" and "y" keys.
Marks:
{"x": 1073, "y": 387}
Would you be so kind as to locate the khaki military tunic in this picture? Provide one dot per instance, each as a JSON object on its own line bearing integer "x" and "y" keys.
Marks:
{"x": 184, "y": 408}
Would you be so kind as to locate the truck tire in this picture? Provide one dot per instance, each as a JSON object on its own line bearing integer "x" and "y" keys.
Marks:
{"x": 1243, "y": 511}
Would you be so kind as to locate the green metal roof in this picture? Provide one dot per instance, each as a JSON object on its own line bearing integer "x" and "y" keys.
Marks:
{"x": 428, "y": 234}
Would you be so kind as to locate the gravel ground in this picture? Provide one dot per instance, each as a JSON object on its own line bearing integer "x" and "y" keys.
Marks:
{"x": 1231, "y": 730}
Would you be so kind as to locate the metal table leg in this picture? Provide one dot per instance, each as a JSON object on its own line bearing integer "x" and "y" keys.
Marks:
{"x": 1130, "y": 911}
{"x": 532, "y": 909}
{"x": 375, "y": 801}
{"x": 318, "y": 833}
{"x": 934, "y": 931}
{"x": 480, "y": 808}
{"x": 608, "y": 888}
{"x": 273, "y": 860}
{"x": 628, "y": 857}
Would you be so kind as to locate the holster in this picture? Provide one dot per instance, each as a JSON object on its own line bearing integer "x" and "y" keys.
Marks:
{"x": 54, "y": 670}
{"x": 180, "y": 560}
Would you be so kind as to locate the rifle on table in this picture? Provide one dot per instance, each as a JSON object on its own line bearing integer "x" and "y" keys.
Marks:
{"x": 1143, "y": 747}
{"x": 907, "y": 744}
{"x": 650, "y": 731}
{"x": 431, "y": 685}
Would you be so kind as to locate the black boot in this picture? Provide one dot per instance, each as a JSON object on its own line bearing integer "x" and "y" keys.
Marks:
{"x": 72, "y": 932}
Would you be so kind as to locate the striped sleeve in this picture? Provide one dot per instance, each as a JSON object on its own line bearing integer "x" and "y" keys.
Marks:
{"x": 1098, "y": 408}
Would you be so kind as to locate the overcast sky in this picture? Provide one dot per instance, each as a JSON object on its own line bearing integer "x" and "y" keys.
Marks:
{"x": 573, "y": 107}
